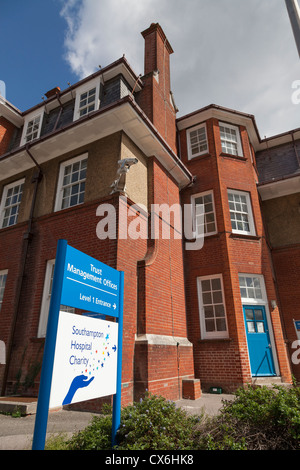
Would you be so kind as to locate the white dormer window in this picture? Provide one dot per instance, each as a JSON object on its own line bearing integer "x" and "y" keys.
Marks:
{"x": 32, "y": 128}
{"x": 87, "y": 102}
{"x": 87, "y": 98}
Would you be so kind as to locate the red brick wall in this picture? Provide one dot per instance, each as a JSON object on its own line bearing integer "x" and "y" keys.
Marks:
{"x": 154, "y": 99}
{"x": 6, "y": 133}
{"x": 225, "y": 362}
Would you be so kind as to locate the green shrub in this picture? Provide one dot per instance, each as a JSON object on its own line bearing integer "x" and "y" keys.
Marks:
{"x": 257, "y": 419}
{"x": 155, "y": 423}
{"x": 96, "y": 436}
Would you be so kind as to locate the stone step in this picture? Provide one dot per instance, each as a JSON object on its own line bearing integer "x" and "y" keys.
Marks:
{"x": 269, "y": 382}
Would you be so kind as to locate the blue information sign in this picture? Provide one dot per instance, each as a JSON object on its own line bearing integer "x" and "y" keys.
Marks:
{"x": 297, "y": 324}
{"x": 89, "y": 284}
{"x": 82, "y": 282}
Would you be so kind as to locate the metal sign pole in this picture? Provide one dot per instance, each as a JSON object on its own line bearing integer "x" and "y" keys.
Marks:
{"x": 116, "y": 417}
{"x": 39, "y": 436}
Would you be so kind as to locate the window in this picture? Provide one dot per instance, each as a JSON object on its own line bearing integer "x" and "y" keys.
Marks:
{"x": 204, "y": 210}
{"x": 71, "y": 183}
{"x": 212, "y": 307}
{"x": 87, "y": 98}
{"x": 3, "y": 276}
{"x": 240, "y": 212}
{"x": 197, "y": 141}
{"x": 33, "y": 129}
{"x": 230, "y": 139}
{"x": 251, "y": 287}
{"x": 87, "y": 102}
{"x": 11, "y": 199}
{"x": 46, "y": 300}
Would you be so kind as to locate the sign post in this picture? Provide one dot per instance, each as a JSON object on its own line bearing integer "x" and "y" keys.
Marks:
{"x": 40, "y": 428}
{"x": 82, "y": 355}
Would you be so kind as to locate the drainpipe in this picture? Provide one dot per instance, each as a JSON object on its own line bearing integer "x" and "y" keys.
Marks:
{"x": 26, "y": 240}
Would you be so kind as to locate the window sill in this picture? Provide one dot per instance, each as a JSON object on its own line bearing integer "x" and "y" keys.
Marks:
{"x": 243, "y": 236}
{"x": 235, "y": 157}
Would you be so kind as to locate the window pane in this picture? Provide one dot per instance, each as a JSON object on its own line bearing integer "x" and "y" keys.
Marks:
{"x": 258, "y": 315}
{"x": 205, "y": 286}
{"x": 250, "y": 327}
{"x": 221, "y": 324}
{"x": 210, "y": 325}
{"x": 249, "y": 314}
{"x": 209, "y": 312}
{"x": 260, "y": 327}
{"x": 207, "y": 298}
{"x": 216, "y": 284}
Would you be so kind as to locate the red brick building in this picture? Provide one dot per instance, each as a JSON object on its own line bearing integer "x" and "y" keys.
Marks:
{"x": 219, "y": 316}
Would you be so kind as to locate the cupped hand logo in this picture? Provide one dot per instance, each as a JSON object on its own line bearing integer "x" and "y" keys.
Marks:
{"x": 80, "y": 381}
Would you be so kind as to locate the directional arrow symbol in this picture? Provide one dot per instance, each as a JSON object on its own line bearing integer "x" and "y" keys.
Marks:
{"x": 114, "y": 348}
{"x": 114, "y": 306}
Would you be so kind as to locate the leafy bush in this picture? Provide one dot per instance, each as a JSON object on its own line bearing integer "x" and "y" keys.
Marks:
{"x": 258, "y": 419}
{"x": 155, "y": 423}
{"x": 96, "y": 436}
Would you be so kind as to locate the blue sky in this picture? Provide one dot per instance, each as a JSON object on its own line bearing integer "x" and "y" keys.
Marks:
{"x": 32, "y": 38}
{"x": 233, "y": 53}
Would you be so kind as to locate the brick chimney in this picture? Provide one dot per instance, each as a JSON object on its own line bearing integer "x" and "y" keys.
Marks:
{"x": 155, "y": 98}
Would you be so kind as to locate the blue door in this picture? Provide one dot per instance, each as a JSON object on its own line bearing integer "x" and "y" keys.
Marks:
{"x": 259, "y": 345}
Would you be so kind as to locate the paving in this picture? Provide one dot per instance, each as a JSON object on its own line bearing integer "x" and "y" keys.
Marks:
{"x": 16, "y": 432}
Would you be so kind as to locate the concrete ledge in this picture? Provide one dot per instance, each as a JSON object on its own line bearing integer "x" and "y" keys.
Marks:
{"x": 162, "y": 340}
{"x": 15, "y": 404}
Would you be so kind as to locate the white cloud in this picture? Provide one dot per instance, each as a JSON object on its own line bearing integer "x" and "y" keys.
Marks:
{"x": 233, "y": 53}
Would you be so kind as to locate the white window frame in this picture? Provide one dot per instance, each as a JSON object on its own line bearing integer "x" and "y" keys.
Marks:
{"x": 211, "y": 334}
{"x": 249, "y": 212}
{"x": 60, "y": 186}
{"x": 258, "y": 286}
{"x": 2, "y": 285}
{"x": 189, "y": 144}
{"x": 28, "y": 119}
{"x": 238, "y": 137}
{"x": 203, "y": 215}
{"x": 44, "y": 312}
{"x": 85, "y": 89}
{"x": 3, "y": 201}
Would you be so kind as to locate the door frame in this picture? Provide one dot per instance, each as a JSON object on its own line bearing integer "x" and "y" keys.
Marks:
{"x": 263, "y": 302}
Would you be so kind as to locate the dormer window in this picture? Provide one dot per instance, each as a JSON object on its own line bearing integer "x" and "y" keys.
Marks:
{"x": 33, "y": 128}
{"x": 87, "y": 102}
{"x": 87, "y": 98}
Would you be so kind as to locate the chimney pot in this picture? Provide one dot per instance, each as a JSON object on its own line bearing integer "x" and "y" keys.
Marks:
{"x": 52, "y": 92}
